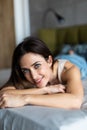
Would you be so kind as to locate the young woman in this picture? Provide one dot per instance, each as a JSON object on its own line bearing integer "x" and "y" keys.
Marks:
{"x": 37, "y": 79}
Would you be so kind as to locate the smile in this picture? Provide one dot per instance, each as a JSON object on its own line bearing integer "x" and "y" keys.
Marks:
{"x": 38, "y": 81}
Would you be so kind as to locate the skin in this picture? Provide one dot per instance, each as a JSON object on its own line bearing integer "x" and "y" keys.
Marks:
{"x": 48, "y": 91}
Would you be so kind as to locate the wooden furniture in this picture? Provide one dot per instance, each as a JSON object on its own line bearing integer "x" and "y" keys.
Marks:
{"x": 55, "y": 38}
{"x": 7, "y": 35}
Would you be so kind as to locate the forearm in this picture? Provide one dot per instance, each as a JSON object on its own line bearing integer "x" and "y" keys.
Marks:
{"x": 60, "y": 100}
{"x": 44, "y": 90}
{"x": 68, "y": 101}
{"x": 25, "y": 91}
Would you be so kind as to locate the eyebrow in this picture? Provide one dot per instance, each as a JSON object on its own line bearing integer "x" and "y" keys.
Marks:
{"x": 35, "y": 63}
{"x": 31, "y": 65}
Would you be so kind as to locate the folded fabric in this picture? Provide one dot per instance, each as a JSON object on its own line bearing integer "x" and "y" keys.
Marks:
{"x": 77, "y": 60}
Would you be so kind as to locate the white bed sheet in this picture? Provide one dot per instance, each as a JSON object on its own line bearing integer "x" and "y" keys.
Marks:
{"x": 44, "y": 118}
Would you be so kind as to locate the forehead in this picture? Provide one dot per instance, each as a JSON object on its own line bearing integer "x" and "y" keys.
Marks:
{"x": 31, "y": 58}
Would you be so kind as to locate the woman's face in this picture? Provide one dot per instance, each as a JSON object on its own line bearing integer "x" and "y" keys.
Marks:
{"x": 36, "y": 69}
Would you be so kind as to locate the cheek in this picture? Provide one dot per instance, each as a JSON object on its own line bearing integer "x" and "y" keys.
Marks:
{"x": 28, "y": 77}
{"x": 46, "y": 71}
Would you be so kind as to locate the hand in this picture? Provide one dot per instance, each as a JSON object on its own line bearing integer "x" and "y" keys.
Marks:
{"x": 11, "y": 100}
{"x": 59, "y": 88}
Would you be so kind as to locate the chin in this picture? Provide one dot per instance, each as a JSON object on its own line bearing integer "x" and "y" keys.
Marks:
{"x": 42, "y": 85}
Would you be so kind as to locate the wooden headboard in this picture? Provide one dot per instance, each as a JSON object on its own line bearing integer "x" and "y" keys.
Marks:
{"x": 55, "y": 38}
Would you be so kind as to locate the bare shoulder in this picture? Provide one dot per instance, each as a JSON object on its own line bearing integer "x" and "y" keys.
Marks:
{"x": 72, "y": 78}
{"x": 71, "y": 71}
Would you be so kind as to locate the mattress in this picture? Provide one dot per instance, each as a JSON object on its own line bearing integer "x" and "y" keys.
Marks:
{"x": 32, "y": 117}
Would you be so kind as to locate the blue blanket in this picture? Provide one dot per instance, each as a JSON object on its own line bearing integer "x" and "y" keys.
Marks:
{"x": 77, "y": 60}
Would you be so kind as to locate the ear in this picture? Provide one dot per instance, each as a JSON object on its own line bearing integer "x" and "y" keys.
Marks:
{"x": 50, "y": 60}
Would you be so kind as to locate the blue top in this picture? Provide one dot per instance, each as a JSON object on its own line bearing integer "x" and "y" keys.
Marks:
{"x": 77, "y": 60}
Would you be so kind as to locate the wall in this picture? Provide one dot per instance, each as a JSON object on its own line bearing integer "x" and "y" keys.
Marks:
{"x": 74, "y": 12}
{"x": 21, "y": 19}
{"x": 7, "y": 35}
{"x": 37, "y": 8}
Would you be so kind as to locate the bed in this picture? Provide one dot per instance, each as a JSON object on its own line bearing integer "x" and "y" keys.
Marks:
{"x": 46, "y": 118}
{"x": 42, "y": 118}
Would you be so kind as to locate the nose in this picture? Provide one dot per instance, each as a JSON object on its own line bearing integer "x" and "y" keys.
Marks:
{"x": 34, "y": 75}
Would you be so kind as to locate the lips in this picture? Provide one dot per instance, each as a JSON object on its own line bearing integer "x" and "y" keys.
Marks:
{"x": 38, "y": 81}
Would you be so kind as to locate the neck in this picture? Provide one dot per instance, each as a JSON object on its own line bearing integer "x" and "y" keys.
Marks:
{"x": 54, "y": 79}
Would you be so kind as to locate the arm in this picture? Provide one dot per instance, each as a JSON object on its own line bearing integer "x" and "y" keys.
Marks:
{"x": 13, "y": 90}
{"x": 11, "y": 97}
{"x": 44, "y": 90}
{"x": 71, "y": 99}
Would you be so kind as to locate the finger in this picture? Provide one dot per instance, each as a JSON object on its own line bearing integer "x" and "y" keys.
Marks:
{"x": 2, "y": 105}
{"x": 1, "y": 100}
{"x": 62, "y": 86}
{"x": 61, "y": 90}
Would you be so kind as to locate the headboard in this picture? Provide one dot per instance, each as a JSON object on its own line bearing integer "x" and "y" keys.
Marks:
{"x": 57, "y": 37}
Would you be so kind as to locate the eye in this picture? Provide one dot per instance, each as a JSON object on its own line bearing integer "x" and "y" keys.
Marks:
{"x": 37, "y": 66}
{"x": 25, "y": 71}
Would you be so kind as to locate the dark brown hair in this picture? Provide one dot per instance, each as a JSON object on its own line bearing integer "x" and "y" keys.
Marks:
{"x": 30, "y": 44}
